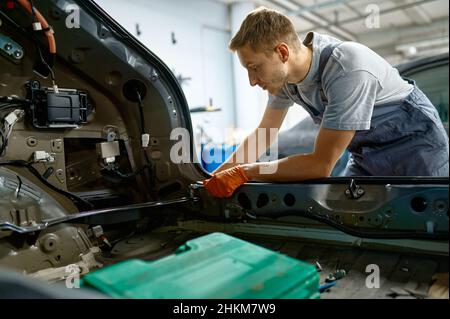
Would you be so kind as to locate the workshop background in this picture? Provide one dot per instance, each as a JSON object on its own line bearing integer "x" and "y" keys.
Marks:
{"x": 192, "y": 38}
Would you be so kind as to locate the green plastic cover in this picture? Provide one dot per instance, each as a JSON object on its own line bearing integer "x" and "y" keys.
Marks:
{"x": 210, "y": 267}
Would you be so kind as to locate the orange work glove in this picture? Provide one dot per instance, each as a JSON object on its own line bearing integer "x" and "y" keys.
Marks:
{"x": 224, "y": 183}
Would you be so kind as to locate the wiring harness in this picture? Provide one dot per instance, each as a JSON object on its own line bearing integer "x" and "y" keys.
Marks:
{"x": 11, "y": 111}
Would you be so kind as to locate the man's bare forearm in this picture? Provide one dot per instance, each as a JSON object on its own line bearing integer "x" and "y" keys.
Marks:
{"x": 290, "y": 169}
{"x": 328, "y": 148}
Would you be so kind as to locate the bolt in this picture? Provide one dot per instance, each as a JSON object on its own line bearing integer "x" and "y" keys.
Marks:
{"x": 440, "y": 206}
{"x": 7, "y": 46}
{"x": 154, "y": 75}
{"x": 17, "y": 54}
{"x": 111, "y": 136}
{"x": 360, "y": 192}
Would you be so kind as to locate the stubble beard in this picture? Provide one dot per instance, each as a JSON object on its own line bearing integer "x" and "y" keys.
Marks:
{"x": 279, "y": 80}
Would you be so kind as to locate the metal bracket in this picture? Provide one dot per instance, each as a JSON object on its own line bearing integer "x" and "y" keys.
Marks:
{"x": 11, "y": 49}
{"x": 354, "y": 191}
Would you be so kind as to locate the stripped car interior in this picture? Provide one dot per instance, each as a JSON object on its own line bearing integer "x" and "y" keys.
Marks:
{"x": 87, "y": 117}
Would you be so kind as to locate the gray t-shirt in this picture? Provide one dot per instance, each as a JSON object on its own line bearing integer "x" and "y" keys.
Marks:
{"x": 354, "y": 82}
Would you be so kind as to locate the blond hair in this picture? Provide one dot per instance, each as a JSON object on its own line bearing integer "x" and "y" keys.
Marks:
{"x": 264, "y": 28}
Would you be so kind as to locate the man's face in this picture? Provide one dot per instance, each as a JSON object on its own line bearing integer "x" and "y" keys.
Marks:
{"x": 267, "y": 71}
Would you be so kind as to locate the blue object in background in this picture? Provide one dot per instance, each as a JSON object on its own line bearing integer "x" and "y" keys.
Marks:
{"x": 212, "y": 156}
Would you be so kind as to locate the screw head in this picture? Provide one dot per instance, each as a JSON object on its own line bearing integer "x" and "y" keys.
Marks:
{"x": 111, "y": 136}
{"x": 18, "y": 54}
{"x": 7, "y": 46}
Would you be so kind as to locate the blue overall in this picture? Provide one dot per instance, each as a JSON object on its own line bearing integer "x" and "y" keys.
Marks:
{"x": 406, "y": 138}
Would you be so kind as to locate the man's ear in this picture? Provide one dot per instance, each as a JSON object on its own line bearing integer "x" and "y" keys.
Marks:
{"x": 283, "y": 52}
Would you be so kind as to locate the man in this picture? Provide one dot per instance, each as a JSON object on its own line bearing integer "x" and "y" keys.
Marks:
{"x": 388, "y": 125}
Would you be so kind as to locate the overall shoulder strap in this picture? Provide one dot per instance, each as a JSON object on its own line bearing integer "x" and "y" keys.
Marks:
{"x": 325, "y": 56}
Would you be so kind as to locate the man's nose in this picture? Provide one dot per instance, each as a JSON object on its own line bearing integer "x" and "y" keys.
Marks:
{"x": 253, "y": 79}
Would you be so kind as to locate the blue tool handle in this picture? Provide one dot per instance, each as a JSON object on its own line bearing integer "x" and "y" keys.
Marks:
{"x": 324, "y": 287}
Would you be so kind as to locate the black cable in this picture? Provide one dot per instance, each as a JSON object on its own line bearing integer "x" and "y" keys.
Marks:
{"x": 82, "y": 204}
{"x": 4, "y": 143}
{"x": 33, "y": 12}
{"x": 129, "y": 175}
{"x": 14, "y": 100}
{"x": 11, "y": 100}
{"x": 51, "y": 58}
{"x": 141, "y": 115}
{"x": 142, "y": 119}
{"x": 141, "y": 112}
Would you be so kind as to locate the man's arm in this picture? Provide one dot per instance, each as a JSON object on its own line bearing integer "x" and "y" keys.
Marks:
{"x": 329, "y": 146}
{"x": 272, "y": 118}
